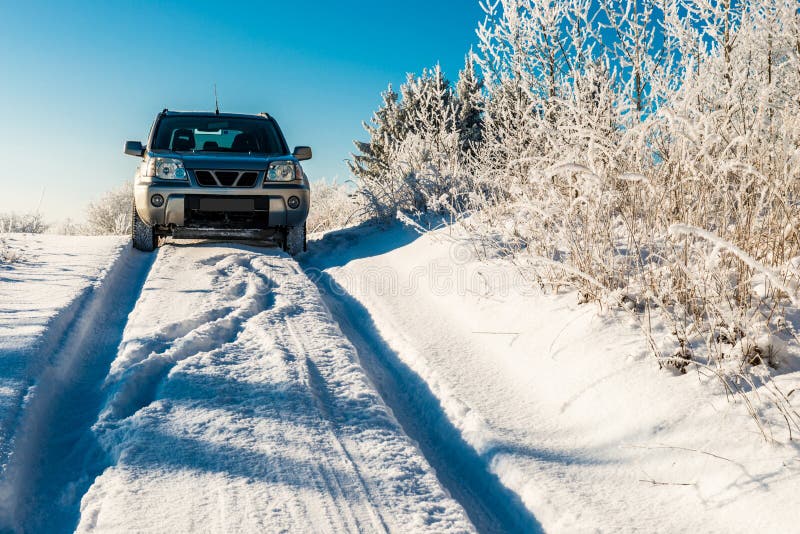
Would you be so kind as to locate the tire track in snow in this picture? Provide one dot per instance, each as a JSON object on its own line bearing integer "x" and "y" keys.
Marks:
{"x": 56, "y": 456}
{"x": 316, "y": 383}
{"x": 489, "y": 504}
{"x": 208, "y": 330}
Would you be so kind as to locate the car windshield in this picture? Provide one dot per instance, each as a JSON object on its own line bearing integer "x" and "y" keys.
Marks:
{"x": 218, "y": 134}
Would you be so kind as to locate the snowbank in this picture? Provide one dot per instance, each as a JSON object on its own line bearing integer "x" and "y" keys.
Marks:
{"x": 40, "y": 295}
{"x": 560, "y": 401}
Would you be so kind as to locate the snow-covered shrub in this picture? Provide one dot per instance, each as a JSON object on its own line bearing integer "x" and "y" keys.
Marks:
{"x": 68, "y": 226}
{"x": 111, "y": 214}
{"x": 333, "y": 206}
{"x": 26, "y": 223}
{"x": 7, "y": 253}
{"x": 414, "y": 159}
{"x": 673, "y": 200}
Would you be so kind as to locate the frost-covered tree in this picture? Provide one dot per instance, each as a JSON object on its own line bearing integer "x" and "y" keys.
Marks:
{"x": 385, "y": 129}
{"x": 470, "y": 104}
{"x": 632, "y": 36}
{"x": 414, "y": 150}
{"x": 372, "y": 164}
{"x": 510, "y": 145}
{"x": 429, "y": 161}
{"x": 28, "y": 223}
{"x": 111, "y": 214}
{"x": 429, "y": 103}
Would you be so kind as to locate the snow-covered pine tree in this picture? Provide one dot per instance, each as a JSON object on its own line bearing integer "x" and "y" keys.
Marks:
{"x": 470, "y": 104}
{"x": 372, "y": 165}
{"x": 385, "y": 129}
{"x": 429, "y": 104}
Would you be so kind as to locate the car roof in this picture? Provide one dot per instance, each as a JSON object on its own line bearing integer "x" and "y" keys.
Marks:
{"x": 170, "y": 113}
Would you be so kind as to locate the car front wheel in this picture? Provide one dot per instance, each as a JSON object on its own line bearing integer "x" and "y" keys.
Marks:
{"x": 295, "y": 240}
{"x": 143, "y": 236}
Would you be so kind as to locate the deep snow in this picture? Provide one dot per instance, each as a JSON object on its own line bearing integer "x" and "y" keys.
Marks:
{"x": 560, "y": 401}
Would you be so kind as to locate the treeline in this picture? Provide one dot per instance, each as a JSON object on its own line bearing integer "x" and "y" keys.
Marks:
{"x": 108, "y": 215}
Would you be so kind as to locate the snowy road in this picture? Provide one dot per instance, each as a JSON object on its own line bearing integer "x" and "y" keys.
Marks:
{"x": 227, "y": 400}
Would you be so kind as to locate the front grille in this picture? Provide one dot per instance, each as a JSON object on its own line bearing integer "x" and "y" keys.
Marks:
{"x": 231, "y": 212}
{"x": 226, "y": 178}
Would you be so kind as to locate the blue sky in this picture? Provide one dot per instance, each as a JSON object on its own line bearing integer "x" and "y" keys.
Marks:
{"x": 77, "y": 79}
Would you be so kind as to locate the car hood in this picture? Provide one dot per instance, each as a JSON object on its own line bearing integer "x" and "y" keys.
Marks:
{"x": 244, "y": 162}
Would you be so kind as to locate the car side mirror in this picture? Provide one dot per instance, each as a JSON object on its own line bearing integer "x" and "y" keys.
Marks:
{"x": 302, "y": 153}
{"x": 134, "y": 148}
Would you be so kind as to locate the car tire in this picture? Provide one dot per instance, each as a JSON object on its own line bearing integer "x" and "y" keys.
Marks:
{"x": 295, "y": 239}
{"x": 143, "y": 235}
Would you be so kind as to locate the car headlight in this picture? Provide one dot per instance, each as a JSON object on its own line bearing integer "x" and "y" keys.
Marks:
{"x": 283, "y": 171}
{"x": 166, "y": 168}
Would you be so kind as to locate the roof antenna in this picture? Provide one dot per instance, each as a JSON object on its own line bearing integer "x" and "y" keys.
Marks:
{"x": 216, "y": 99}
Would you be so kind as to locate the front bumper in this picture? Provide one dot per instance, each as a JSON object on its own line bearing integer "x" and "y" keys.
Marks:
{"x": 176, "y": 212}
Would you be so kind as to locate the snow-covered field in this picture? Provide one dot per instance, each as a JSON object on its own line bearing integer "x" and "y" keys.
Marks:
{"x": 386, "y": 381}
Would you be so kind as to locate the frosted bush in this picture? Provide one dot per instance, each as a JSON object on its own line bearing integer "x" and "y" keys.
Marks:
{"x": 111, "y": 214}
{"x": 414, "y": 160}
{"x": 27, "y": 223}
{"x": 68, "y": 226}
{"x": 607, "y": 167}
{"x": 7, "y": 254}
{"x": 333, "y": 206}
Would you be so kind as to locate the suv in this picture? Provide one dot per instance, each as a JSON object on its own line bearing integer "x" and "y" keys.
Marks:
{"x": 219, "y": 175}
